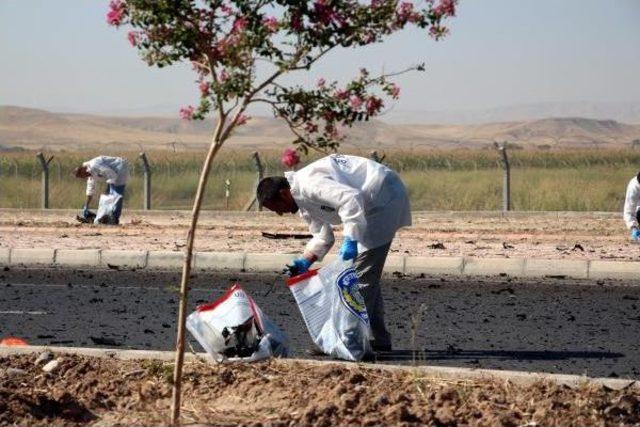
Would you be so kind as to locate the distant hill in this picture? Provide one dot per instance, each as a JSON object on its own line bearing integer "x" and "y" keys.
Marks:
{"x": 39, "y": 129}
{"x": 627, "y": 112}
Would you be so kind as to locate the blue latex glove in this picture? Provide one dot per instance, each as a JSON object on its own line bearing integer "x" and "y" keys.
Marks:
{"x": 349, "y": 249}
{"x": 635, "y": 234}
{"x": 299, "y": 266}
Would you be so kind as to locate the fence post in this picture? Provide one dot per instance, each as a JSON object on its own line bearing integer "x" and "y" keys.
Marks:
{"x": 45, "y": 179}
{"x": 147, "y": 181}
{"x": 260, "y": 170}
{"x": 506, "y": 177}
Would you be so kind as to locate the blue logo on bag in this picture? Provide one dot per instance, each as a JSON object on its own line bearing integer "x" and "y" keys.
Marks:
{"x": 347, "y": 283}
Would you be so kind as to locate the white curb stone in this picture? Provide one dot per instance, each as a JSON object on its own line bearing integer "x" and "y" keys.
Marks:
{"x": 552, "y": 267}
{"x": 32, "y": 256}
{"x": 614, "y": 269}
{"x": 5, "y": 256}
{"x": 124, "y": 259}
{"x": 219, "y": 260}
{"x": 165, "y": 260}
{"x": 78, "y": 257}
{"x": 433, "y": 265}
{"x": 494, "y": 266}
{"x": 267, "y": 262}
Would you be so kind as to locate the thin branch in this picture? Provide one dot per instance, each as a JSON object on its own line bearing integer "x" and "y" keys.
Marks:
{"x": 308, "y": 65}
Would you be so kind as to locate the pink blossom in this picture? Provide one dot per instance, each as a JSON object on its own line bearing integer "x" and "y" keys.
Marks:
{"x": 445, "y": 8}
{"x": 132, "y": 37}
{"x": 394, "y": 90}
{"x": 271, "y": 23}
{"x": 116, "y": 12}
{"x": 290, "y": 158}
{"x": 186, "y": 113}
{"x": 240, "y": 24}
{"x": 226, "y": 9}
{"x": 355, "y": 102}
{"x": 331, "y": 131}
{"x": 325, "y": 13}
{"x": 223, "y": 76}
{"x": 296, "y": 22}
{"x": 204, "y": 88}
{"x": 311, "y": 127}
{"x": 406, "y": 13}
{"x": 438, "y": 31}
{"x": 321, "y": 82}
{"x": 242, "y": 119}
{"x": 374, "y": 105}
{"x": 341, "y": 94}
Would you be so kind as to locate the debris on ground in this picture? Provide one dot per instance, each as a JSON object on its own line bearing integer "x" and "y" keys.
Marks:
{"x": 106, "y": 391}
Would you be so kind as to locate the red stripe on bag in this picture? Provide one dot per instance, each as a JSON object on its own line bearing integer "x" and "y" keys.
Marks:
{"x": 300, "y": 277}
{"x": 212, "y": 305}
{"x": 256, "y": 315}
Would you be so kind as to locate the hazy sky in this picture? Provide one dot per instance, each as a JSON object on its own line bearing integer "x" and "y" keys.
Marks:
{"x": 62, "y": 55}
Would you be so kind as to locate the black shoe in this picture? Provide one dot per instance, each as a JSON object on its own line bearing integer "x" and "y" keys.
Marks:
{"x": 381, "y": 348}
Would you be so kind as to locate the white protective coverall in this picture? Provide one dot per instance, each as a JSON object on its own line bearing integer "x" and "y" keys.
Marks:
{"x": 114, "y": 170}
{"x": 368, "y": 198}
{"x": 632, "y": 203}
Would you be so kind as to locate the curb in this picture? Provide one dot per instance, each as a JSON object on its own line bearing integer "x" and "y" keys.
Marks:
{"x": 437, "y": 372}
{"x": 240, "y": 261}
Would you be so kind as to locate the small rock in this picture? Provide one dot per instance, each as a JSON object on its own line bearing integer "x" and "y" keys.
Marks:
{"x": 51, "y": 366}
{"x": 14, "y": 372}
{"x": 45, "y": 356}
{"x": 437, "y": 245}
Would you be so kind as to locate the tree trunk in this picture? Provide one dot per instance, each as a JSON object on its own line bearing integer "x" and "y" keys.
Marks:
{"x": 216, "y": 144}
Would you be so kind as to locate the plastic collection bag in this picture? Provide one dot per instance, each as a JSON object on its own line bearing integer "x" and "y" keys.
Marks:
{"x": 234, "y": 328}
{"x": 106, "y": 208}
{"x": 334, "y": 310}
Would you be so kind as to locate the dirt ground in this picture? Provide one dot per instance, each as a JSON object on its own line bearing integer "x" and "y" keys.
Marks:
{"x": 85, "y": 390}
{"x": 539, "y": 235}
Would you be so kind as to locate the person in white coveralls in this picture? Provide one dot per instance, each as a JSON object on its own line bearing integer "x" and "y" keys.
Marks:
{"x": 113, "y": 170}
{"x": 631, "y": 211}
{"x": 371, "y": 202}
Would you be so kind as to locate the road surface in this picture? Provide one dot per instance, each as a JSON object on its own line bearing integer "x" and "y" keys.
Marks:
{"x": 550, "y": 325}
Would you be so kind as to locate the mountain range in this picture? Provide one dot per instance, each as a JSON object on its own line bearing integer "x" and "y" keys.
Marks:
{"x": 35, "y": 129}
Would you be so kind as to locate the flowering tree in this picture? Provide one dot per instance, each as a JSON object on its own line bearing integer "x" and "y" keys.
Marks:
{"x": 240, "y": 50}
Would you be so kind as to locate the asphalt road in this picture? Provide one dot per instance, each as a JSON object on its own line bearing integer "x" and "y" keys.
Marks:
{"x": 550, "y": 325}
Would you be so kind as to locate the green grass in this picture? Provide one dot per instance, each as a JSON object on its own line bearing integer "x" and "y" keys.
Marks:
{"x": 581, "y": 180}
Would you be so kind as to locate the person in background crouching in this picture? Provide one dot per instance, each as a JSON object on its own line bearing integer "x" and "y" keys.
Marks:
{"x": 114, "y": 171}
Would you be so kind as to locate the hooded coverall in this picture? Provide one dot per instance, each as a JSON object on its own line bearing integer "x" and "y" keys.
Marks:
{"x": 115, "y": 171}
{"x": 371, "y": 202}
{"x": 631, "y": 211}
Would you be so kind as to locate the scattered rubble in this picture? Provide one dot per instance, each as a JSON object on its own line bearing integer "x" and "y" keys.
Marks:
{"x": 108, "y": 391}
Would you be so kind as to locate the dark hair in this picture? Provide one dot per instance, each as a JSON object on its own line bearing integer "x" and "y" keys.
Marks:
{"x": 269, "y": 188}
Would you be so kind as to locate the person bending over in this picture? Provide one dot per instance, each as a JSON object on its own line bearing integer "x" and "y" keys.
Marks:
{"x": 371, "y": 202}
{"x": 113, "y": 170}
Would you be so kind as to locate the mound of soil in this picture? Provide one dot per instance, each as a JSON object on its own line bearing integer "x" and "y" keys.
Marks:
{"x": 85, "y": 390}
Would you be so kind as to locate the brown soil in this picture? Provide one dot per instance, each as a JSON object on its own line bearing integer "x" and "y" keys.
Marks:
{"x": 108, "y": 391}
{"x": 562, "y": 236}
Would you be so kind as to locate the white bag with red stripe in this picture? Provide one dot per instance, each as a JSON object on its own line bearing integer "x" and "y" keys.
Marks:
{"x": 234, "y": 328}
{"x": 334, "y": 310}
